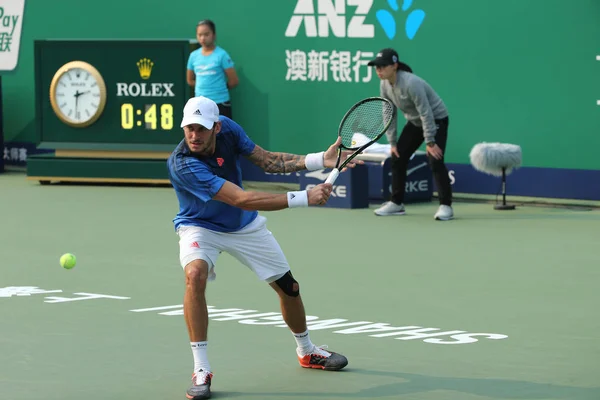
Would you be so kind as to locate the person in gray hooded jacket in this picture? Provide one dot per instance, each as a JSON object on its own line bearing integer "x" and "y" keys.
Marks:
{"x": 426, "y": 121}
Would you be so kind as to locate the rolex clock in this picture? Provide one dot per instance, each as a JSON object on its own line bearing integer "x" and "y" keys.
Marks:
{"x": 78, "y": 94}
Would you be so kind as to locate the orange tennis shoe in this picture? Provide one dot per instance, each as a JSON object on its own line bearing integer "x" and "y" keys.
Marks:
{"x": 319, "y": 358}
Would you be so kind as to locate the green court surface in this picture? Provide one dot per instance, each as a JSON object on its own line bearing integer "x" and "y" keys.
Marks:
{"x": 491, "y": 305}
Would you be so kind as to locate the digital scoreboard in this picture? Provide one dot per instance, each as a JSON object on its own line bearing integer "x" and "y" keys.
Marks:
{"x": 104, "y": 104}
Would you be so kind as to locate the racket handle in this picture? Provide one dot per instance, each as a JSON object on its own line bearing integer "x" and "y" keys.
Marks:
{"x": 333, "y": 176}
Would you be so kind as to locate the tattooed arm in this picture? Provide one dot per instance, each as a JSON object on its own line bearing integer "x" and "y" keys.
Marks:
{"x": 285, "y": 162}
{"x": 277, "y": 162}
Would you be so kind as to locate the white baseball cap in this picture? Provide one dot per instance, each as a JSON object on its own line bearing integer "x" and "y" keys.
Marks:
{"x": 200, "y": 110}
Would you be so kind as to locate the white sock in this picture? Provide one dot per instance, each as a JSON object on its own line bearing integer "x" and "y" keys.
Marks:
{"x": 200, "y": 356}
{"x": 303, "y": 341}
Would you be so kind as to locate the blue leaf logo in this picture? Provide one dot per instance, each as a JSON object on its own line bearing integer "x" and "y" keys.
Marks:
{"x": 413, "y": 21}
{"x": 387, "y": 22}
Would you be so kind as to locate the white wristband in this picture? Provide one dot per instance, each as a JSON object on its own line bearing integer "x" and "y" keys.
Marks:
{"x": 297, "y": 199}
{"x": 314, "y": 161}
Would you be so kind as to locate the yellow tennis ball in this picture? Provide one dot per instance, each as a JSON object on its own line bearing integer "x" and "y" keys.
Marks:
{"x": 67, "y": 261}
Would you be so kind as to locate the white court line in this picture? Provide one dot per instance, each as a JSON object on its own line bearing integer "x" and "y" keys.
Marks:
{"x": 598, "y": 102}
{"x": 597, "y": 58}
{"x": 157, "y": 308}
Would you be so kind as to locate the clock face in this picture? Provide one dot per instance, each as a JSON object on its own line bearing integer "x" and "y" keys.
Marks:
{"x": 78, "y": 94}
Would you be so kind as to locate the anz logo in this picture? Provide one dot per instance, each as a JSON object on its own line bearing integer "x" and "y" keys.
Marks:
{"x": 335, "y": 16}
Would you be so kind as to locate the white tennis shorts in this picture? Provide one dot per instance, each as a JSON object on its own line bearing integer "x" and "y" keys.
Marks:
{"x": 254, "y": 246}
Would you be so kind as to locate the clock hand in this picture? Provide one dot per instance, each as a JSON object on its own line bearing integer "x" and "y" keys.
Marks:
{"x": 77, "y": 94}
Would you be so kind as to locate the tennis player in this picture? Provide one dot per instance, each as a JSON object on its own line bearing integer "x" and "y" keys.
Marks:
{"x": 426, "y": 120}
{"x": 217, "y": 215}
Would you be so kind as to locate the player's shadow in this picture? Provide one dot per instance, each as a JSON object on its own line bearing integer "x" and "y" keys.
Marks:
{"x": 407, "y": 383}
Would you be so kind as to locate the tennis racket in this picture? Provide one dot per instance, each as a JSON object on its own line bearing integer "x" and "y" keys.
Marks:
{"x": 371, "y": 117}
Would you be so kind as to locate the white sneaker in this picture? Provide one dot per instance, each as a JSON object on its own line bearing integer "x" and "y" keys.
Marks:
{"x": 200, "y": 388}
{"x": 390, "y": 208}
{"x": 444, "y": 213}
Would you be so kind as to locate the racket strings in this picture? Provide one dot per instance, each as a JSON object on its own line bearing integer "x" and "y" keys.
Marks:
{"x": 365, "y": 122}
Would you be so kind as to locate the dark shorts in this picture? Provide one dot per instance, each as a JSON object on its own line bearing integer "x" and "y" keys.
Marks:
{"x": 225, "y": 109}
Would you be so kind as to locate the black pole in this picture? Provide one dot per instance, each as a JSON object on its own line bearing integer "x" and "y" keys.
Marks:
{"x": 504, "y": 206}
{"x": 503, "y": 186}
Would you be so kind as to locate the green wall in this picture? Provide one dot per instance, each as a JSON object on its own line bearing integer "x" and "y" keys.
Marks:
{"x": 515, "y": 71}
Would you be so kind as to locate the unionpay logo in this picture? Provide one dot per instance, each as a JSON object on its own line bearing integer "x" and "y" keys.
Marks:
{"x": 346, "y": 18}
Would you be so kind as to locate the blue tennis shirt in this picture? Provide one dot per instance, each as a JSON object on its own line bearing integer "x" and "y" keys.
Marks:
{"x": 211, "y": 80}
{"x": 197, "y": 180}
